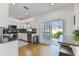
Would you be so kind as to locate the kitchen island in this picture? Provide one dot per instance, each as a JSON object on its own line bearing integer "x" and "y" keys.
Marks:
{"x": 9, "y": 48}
{"x": 69, "y": 41}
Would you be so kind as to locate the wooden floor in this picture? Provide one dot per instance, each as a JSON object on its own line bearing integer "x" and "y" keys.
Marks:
{"x": 34, "y": 50}
{"x": 44, "y": 50}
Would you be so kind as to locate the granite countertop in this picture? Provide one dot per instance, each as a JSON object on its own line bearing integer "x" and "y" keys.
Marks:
{"x": 68, "y": 40}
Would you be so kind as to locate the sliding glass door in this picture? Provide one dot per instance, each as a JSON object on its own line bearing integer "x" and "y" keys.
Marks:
{"x": 45, "y": 32}
{"x": 51, "y": 30}
{"x": 56, "y": 29}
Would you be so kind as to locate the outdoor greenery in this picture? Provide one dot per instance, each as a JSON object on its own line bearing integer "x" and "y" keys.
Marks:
{"x": 76, "y": 35}
{"x": 56, "y": 35}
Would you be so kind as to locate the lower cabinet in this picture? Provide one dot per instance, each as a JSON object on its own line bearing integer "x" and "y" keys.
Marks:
{"x": 75, "y": 50}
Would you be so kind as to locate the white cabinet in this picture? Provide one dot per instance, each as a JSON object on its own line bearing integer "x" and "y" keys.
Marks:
{"x": 22, "y": 36}
{"x": 4, "y": 12}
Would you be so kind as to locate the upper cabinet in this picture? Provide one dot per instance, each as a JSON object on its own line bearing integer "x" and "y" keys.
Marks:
{"x": 4, "y": 12}
{"x": 76, "y": 12}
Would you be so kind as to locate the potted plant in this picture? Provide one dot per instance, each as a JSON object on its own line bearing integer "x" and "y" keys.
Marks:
{"x": 76, "y": 35}
{"x": 56, "y": 35}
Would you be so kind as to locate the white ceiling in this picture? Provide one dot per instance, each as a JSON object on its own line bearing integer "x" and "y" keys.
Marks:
{"x": 18, "y": 10}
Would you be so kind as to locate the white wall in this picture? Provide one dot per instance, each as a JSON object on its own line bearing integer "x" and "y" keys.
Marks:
{"x": 4, "y": 11}
{"x": 76, "y": 12}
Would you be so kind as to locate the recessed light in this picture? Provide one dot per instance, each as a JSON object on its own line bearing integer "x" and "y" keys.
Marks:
{"x": 52, "y": 4}
{"x": 13, "y": 3}
{"x": 25, "y": 13}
